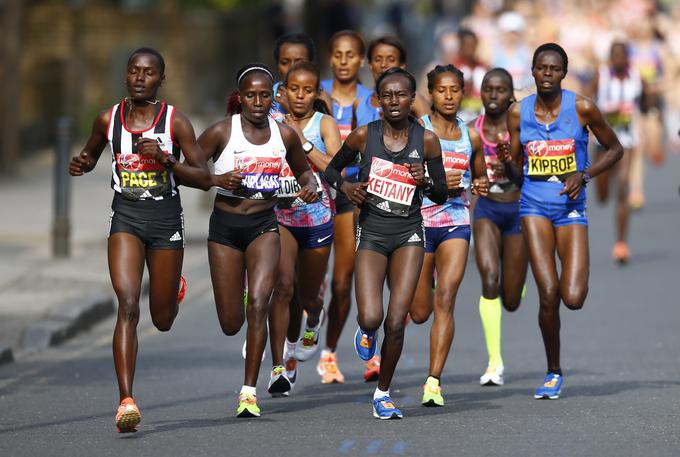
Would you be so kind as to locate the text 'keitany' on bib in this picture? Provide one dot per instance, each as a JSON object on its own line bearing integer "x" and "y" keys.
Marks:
{"x": 391, "y": 187}
{"x": 548, "y": 158}
{"x": 287, "y": 194}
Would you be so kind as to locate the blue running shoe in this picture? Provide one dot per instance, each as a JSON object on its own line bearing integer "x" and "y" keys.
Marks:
{"x": 550, "y": 390}
{"x": 384, "y": 409}
{"x": 365, "y": 344}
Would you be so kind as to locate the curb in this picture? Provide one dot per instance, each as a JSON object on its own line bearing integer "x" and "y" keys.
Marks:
{"x": 6, "y": 355}
{"x": 65, "y": 321}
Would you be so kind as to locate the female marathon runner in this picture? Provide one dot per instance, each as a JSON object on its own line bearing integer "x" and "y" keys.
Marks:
{"x": 447, "y": 226}
{"x": 618, "y": 89}
{"x": 383, "y": 53}
{"x": 248, "y": 149}
{"x": 500, "y": 250}
{"x": 347, "y": 51}
{"x": 390, "y": 236}
{"x": 306, "y": 230}
{"x": 147, "y": 224}
{"x": 549, "y": 136}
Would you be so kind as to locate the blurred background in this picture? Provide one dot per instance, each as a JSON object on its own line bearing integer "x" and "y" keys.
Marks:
{"x": 67, "y": 58}
{"x": 64, "y": 61}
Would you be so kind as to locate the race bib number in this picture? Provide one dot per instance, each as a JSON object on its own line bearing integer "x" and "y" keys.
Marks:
{"x": 551, "y": 157}
{"x": 390, "y": 187}
{"x": 141, "y": 176}
{"x": 287, "y": 193}
{"x": 260, "y": 177}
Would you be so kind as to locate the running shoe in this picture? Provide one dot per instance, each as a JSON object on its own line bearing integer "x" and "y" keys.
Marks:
{"x": 384, "y": 409}
{"x": 432, "y": 393}
{"x": 247, "y": 406}
{"x": 372, "y": 372}
{"x": 551, "y": 388}
{"x": 290, "y": 363}
{"x": 182, "y": 289}
{"x": 328, "y": 369}
{"x": 621, "y": 253}
{"x": 365, "y": 344}
{"x": 279, "y": 385}
{"x": 493, "y": 376}
{"x": 127, "y": 416}
{"x": 308, "y": 344}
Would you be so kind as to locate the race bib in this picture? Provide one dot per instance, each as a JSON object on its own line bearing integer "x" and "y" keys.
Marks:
{"x": 390, "y": 187}
{"x": 287, "y": 193}
{"x": 260, "y": 176}
{"x": 345, "y": 130}
{"x": 551, "y": 157}
{"x": 141, "y": 176}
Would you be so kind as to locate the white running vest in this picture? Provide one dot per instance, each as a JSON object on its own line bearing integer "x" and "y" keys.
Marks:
{"x": 260, "y": 164}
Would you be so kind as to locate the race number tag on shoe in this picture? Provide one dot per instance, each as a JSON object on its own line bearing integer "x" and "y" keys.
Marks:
{"x": 551, "y": 158}
{"x": 287, "y": 194}
{"x": 390, "y": 187}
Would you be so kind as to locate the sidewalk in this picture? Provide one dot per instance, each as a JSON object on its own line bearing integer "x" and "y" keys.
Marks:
{"x": 45, "y": 300}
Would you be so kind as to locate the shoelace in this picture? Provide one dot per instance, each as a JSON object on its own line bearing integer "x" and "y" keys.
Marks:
{"x": 308, "y": 338}
{"x": 247, "y": 398}
{"x": 330, "y": 365}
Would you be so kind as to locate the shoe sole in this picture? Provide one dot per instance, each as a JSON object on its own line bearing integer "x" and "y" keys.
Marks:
{"x": 393, "y": 416}
{"x": 432, "y": 404}
{"x": 280, "y": 388}
{"x": 128, "y": 421}
{"x": 356, "y": 349}
{"x": 333, "y": 381}
{"x": 491, "y": 383}
{"x": 547, "y": 397}
{"x": 247, "y": 413}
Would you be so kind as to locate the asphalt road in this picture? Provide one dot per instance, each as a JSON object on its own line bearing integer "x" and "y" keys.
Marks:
{"x": 620, "y": 357}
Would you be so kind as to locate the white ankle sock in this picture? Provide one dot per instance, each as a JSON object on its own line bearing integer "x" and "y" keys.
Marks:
{"x": 249, "y": 390}
{"x": 380, "y": 393}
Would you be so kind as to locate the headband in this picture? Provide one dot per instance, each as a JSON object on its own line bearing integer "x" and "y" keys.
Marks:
{"x": 269, "y": 73}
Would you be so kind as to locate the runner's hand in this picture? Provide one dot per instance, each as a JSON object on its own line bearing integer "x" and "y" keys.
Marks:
{"x": 308, "y": 193}
{"x": 418, "y": 172}
{"x": 572, "y": 186}
{"x": 453, "y": 179}
{"x": 230, "y": 180}
{"x": 80, "y": 164}
{"x": 480, "y": 186}
{"x": 497, "y": 168}
{"x": 150, "y": 147}
{"x": 503, "y": 149}
{"x": 355, "y": 191}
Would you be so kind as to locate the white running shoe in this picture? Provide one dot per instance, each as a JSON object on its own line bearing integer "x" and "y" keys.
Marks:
{"x": 308, "y": 345}
{"x": 493, "y": 376}
{"x": 279, "y": 384}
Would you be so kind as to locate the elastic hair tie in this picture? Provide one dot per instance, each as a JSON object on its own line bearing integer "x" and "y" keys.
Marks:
{"x": 238, "y": 81}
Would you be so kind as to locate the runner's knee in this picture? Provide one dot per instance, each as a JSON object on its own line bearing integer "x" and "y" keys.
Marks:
{"x": 574, "y": 297}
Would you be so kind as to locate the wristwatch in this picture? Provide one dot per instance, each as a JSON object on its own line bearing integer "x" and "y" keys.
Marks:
{"x": 586, "y": 178}
{"x": 307, "y": 147}
{"x": 169, "y": 162}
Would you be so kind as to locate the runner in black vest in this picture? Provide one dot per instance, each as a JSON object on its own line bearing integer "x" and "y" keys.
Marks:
{"x": 146, "y": 225}
{"x": 390, "y": 236}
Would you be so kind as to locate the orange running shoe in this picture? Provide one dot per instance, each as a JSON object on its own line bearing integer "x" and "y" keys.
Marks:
{"x": 128, "y": 416}
{"x": 372, "y": 369}
{"x": 182, "y": 289}
{"x": 328, "y": 369}
{"x": 621, "y": 253}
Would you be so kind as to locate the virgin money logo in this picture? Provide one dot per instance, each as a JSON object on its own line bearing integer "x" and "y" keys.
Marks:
{"x": 286, "y": 172}
{"x": 381, "y": 167}
{"x": 538, "y": 148}
{"x": 255, "y": 164}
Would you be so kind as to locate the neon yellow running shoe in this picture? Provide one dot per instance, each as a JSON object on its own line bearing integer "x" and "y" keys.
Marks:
{"x": 432, "y": 393}
{"x": 247, "y": 406}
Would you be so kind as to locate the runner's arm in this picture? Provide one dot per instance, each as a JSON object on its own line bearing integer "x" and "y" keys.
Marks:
{"x": 88, "y": 157}
{"x": 354, "y": 143}
{"x": 194, "y": 170}
{"x": 513, "y": 160}
{"x": 438, "y": 193}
